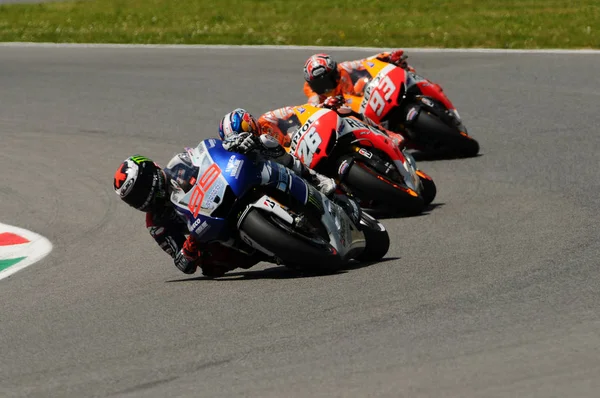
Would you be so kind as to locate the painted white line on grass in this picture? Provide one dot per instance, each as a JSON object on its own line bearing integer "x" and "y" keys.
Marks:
{"x": 32, "y": 251}
{"x": 311, "y": 48}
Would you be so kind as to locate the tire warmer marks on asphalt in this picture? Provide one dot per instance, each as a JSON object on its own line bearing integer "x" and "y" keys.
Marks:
{"x": 20, "y": 248}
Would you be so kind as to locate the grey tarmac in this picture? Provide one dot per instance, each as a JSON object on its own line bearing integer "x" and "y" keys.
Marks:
{"x": 493, "y": 293}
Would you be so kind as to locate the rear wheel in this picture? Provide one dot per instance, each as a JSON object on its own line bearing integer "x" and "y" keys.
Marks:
{"x": 431, "y": 132}
{"x": 368, "y": 185}
{"x": 295, "y": 249}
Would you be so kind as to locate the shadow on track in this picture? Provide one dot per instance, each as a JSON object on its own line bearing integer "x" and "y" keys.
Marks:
{"x": 282, "y": 272}
{"x": 389, "y": 215}
{"x": 433, "y": 156}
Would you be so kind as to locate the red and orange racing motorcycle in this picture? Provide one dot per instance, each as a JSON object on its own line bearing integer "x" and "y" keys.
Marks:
{"x": 365, "y": 161}
{"x": 406, "y": 103}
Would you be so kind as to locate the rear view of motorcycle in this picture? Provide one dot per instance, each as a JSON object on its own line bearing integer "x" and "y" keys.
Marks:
{"x": 407, "y": 103}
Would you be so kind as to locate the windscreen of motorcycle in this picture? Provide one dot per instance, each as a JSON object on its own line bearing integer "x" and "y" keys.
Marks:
{"x": 201, "y": 193}
{"x": 201, "y": 181}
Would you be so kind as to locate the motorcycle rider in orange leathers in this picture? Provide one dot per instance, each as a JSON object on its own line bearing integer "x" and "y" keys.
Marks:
{"x": 324, "y": 77}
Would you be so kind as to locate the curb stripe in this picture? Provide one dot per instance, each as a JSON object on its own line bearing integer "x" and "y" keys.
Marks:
{"x": 14, "y": 258}
{"x": 8, "y": 238}
{"x": 4, "y": 264}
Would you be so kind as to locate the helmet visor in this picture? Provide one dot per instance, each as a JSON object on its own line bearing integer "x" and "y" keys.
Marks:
{"x": 154, "y": 194}
{"x": 323, "y": 85}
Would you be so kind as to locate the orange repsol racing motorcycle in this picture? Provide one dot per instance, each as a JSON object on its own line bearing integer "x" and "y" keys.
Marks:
{"x": 365, "y": 161}
{"x": 409, "y": 104}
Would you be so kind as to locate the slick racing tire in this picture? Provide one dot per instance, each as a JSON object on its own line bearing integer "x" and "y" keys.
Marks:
{"x": 377, "y": 239}
{"x": 368, "y": 184}
{"x": 429, "y": 189}
{"x": 291, "y": 247}
{"x": 433, "y": 133}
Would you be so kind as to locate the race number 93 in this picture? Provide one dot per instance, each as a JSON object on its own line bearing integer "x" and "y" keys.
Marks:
{"x": 383, "y": 93}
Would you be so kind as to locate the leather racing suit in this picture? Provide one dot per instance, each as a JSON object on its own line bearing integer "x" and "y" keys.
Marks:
{"x": 282, "y": 123}
{"x": 169, "y": 230}
{"x": 345, "y": 83}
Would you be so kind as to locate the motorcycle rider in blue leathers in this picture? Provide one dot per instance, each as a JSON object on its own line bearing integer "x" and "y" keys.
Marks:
{"x": 145, "y": 186}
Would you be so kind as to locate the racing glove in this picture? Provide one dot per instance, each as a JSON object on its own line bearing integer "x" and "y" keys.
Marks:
{"x": 396, "y": 57}
{"x": 338, "y": 104}
{"x": 187, "y": 258}
{"x": 333, "y": 103}
{"x": 242, "y": 143}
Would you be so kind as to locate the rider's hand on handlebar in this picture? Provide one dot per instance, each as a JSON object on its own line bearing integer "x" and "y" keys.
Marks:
{"x": 333, "y": 103}
{"x": 398, "y": 58}
{"x": 248, "y": 143}
{"x": 243, "y": 143}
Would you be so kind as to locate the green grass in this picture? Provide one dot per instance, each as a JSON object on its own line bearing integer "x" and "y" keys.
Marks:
{"x": 380, "y": 23}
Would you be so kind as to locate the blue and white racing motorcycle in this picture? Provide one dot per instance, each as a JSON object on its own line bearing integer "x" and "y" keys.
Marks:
{"x": 252, "y": 205}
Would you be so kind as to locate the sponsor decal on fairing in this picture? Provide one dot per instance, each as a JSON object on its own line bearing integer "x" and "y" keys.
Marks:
{"x": 234, "y": 166}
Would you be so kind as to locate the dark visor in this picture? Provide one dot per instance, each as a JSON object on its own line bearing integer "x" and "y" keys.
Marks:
{"x": 322, "y": 85}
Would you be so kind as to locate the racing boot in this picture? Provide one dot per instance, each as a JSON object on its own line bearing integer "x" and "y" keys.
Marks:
{"x": 325, "y": 185}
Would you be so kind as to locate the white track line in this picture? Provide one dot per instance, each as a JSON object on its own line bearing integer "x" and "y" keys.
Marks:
{"x": 37, "y": 248}
{"x": 310, "y": 48}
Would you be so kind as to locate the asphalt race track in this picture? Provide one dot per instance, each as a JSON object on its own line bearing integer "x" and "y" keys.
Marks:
{"x": 493, "y": 293}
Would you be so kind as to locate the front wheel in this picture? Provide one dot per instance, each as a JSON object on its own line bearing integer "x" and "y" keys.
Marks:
{"x": 376, "y": 237}
{"x": 293, "y": 248}
{"x": 431, "y": 132}
{"x": 368, "y": 185}
{"x": 429, "y": 188}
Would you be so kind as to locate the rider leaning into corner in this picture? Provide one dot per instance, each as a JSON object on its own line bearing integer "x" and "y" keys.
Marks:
{"x": 282, "y": 123}
{"x": 145, "y": 186}
{"x": 325, "y": 82}
{"x": 324, "y": 77}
